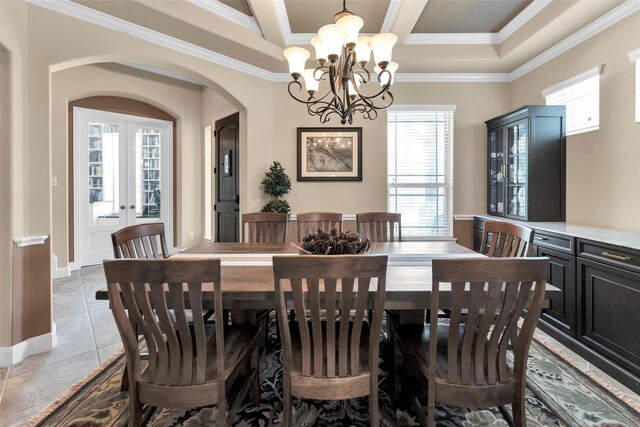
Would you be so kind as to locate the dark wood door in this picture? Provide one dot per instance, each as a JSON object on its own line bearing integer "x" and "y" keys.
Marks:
{"x": 227, "y": 205}
{"x": 562, "y": 274}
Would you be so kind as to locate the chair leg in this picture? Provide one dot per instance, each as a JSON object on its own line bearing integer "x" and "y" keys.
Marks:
{"x": 222, "y": 413}
{"x": 506, "y": 415}
{"x": 286, "y": 405}
{"x": 518, "y": 406}
{"x": 135, "y": 409}
{"x": 124, "y": 383}
{"x": 255, "y": 381}
{"x": 374, "y": 412}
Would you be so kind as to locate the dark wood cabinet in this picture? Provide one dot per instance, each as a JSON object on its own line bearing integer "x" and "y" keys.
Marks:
{"x": 526, "y": 164}
{"x": 562, "y": 274}
{"x": 609, "y": 296}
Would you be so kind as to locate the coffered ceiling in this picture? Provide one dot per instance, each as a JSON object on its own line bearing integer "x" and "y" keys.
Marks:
{"x": 434, "y": 36}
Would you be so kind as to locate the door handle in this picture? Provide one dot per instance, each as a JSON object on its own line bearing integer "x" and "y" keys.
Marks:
{"x": 236, "y": 209}
{"x": 132, "y": 207}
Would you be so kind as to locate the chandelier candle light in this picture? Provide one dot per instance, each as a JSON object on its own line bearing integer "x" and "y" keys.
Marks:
{"x": 342, "y": 57}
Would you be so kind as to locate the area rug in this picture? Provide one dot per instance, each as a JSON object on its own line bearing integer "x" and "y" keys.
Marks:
{"x": 557, "y": 395}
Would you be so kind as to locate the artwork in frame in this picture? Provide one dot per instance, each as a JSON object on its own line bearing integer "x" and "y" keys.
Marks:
{"x": 329, "y": 154}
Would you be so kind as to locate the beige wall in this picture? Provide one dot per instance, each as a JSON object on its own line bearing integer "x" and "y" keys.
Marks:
{"x": 182, "y": 101}
{"x": 476, "y": 102}
{"x": 603, "y": 167}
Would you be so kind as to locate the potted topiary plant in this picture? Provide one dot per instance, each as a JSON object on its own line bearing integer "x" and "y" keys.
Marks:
{"x": 276, "y": 184}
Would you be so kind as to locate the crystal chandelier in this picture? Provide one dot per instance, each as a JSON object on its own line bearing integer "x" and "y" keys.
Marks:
{"x": 342, "y": 57}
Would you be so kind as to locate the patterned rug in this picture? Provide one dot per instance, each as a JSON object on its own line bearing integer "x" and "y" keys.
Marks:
{"x": 557, "y": 395}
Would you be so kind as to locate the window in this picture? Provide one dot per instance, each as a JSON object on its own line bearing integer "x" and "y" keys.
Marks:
{"x": 581, "y": 96}
{"x": 634, "y": 56}
{"x": 420, "y": 169}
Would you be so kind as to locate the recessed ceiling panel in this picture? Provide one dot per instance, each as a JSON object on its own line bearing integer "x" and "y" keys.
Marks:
{"x": 307, "y": 16}
{"x": 468, "y": 16}
{"x": 239, "y": 5}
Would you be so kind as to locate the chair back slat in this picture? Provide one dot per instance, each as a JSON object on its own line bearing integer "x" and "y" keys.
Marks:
{"x": 489, "y": 296}
{"x": 312, "y": 221}
{"x": 380, "y": 226}
{"x": 505, "y": 239}
{"x": 265, "y": 227}
{"x": 335, "y": 285}
{"x": 330, "y": 292}
{"x": 153, "y": 293}
{"x": 146, "y": 241}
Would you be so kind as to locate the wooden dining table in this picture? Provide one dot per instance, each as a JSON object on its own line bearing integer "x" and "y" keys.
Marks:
{"x": 247, "y": 276}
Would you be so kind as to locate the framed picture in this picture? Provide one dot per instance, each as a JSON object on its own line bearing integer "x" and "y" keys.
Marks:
{"x": 329, "y": 154}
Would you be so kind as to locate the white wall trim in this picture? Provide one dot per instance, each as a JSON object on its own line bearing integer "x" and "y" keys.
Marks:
{"x": 84, "y": 13}
{"x": 87, "y": 14}
{"x": 11, "y": 355}
{"x": 465, "y": 217}
{"x": 63, "y": 272}
{"x": 391, "y": 15}
{"x": 522, "y": 18}
{"x": 162, "y": 72}
{"x": 592, "y": 72}
{"x": 227, "y": 12}
{"x": 634, "y": 55}
{"x": 610, "y": 18}
{"x": 22, "y": 242}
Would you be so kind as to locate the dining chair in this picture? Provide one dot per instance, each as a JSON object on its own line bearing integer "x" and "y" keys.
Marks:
{"x": 140, "y": 241}
{"x": 265, "y": 227}
{"x": 189, "y": 364}
{"x": 506, "y": 239}
{"x": 464, "y": 360}
{"x": 380, "y": 226}
{"x": 329, "y": 354}
{"x": 310, "y": 222}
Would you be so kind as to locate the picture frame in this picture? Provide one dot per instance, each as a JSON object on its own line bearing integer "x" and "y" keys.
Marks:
{"x": 329, "y": 154}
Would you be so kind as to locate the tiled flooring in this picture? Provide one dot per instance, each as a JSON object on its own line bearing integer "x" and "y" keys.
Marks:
{"x": 87, "y": 336}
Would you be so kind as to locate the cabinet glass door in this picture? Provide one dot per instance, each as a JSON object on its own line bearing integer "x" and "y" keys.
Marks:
{"x": 517, "y": 154}
{"x": 497, "y": 171}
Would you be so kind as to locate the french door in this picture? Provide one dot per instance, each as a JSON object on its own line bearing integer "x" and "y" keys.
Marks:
{"x": 123, "y": 176}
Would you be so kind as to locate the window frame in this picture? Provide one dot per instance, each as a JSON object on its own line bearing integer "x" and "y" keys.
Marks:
{"x": 449, "y": 169}
{"x": 568, "y": 83}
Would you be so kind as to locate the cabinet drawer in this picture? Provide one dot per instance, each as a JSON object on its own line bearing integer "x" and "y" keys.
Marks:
{"x": 616, "y": 256}
{"x": 557, "y": 242}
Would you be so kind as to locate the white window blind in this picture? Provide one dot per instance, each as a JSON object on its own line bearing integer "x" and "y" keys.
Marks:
{"x": 634, "y": 56}
{"x": 420, "y": 171}
{"x": 581, "y": 96}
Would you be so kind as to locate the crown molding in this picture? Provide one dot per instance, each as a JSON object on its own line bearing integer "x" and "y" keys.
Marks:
{"x": 634, "y": 55}
{"x": 610, "y": 18}
{"x": 75, "y": 10}
{"x": 522, "y": 18}
{"x": 218, "y": 8}
{"x": 87, "y": 14}
{"x": 480, "y": 38}
{"x": 285, "y": 26}
{"x": 391, "y": 15}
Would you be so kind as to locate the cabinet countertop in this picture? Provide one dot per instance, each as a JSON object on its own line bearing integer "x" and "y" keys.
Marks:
{"x": 627, "y": 239}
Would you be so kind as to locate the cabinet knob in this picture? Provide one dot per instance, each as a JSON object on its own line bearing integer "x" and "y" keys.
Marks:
{"x": 123, "y": 207}
{"x": 132, "y": 207}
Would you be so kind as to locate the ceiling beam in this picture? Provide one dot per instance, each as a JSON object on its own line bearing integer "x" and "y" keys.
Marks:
{"x": 270, "y": 19}
{"x": 407, "y": 13}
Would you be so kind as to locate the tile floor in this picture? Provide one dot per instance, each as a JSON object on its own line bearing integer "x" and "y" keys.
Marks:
{"x": 87, "y": 336}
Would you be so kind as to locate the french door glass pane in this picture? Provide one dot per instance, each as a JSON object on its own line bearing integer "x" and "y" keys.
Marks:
{"x": 104, "y": 194}
{"x": 148, "y": 174}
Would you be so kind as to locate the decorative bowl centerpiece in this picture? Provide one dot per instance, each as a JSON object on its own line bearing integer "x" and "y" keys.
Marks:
{"x": 334, "y": 243}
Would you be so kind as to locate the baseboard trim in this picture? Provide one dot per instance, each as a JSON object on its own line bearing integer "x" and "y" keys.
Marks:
{"x": 17, "y": 353}
{"x": 63, "y": 272}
